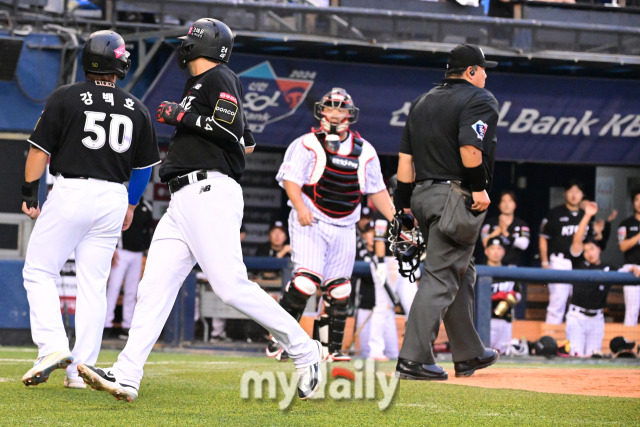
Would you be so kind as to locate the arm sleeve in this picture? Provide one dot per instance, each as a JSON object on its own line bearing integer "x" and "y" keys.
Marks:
{"x": 544, "y": 232}
{"x": 374, "y": 182}
{"x": 138, "y": 183}
{"x": 405, "y": 142}
{"x": 220, "y": 94}
{"x": 293, "y": 166}
{"x": 478, "y": 121}
{"x": 247, "y": 136}
{"x": 146, "y": 154}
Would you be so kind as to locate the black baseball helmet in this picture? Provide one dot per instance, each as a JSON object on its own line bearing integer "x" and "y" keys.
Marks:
{"x": 207, "y": 38}
{"x": 104, "y": 52}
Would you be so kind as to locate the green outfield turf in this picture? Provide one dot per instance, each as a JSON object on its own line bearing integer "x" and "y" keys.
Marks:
{"x": 200, "y": 389}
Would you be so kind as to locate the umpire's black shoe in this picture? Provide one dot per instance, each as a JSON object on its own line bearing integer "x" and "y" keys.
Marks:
{"x": 468, "y": 367}
{"x": 408, "y": 370}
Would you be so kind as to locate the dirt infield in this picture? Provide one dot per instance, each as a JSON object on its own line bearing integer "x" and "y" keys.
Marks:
{"x": 592, "y": 382}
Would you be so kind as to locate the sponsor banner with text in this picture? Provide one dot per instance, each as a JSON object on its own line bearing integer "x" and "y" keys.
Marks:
{"x": 542, "y": 118}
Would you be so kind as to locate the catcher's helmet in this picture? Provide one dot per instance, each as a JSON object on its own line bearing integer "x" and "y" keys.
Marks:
{"x": 406, "y": 244}
{"x": 207, "y": 38}
{"x": 104, "y": 52}
{"x": 336, "y": 98}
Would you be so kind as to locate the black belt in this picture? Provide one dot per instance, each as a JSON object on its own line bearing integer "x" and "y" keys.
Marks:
{"x": 178, "y": 182}
{"x": 441, "y": 181}
{"x": 587, "y": 312}
{"x": 67, "y": 176}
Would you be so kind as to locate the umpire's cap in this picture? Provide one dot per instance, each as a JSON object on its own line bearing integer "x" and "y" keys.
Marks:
{"x": 207, "y": 38}
{"x": 468, "y": 55}
{"x": 104, "y": 52}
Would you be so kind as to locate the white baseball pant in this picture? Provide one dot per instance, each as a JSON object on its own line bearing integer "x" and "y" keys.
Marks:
{"x": 559, "y": 293}
{"x": 84, "y": 215}
{"x": 501, "y": 332}
{"x": 585, "y": 333}
{"x": 202, "y": 224}
{"x": 631, "y": 304}
{"x": 129, "y": 270}
{"x": 325, "y": 249}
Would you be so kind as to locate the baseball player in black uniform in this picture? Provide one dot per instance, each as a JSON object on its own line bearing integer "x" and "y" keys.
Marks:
{"x": 556, "y": 236}
{"x": 126, "y": 267}
{"x": 513, "y": 231}
{"x": 504, "y": 295}
{"x": 202, "y": 224}
{"x": 94, "y": 134}
{"x": 629, "y": 241}
{"x": 585, "y": 316}
{"x": 449, "y": 141}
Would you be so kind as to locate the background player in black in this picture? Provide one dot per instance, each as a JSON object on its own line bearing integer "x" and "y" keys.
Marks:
{"x": 94, "y": 133}
{"x": 449, "y": 140}
{"x": 556, "y": 237}
{"x": 513, "y": 231}
{"x": 629, "y": 241}
{"x": 203, "y": 220}
{"x": 504, "y": 295}
{"x": 126, "y": 269}
{"x": 585, "y": 316}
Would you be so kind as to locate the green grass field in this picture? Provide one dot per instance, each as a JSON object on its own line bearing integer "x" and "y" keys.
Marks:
{"x": 200, "y": 389}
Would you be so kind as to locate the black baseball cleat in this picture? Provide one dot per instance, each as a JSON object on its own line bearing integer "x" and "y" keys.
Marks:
{"x": 104, "y": 380}
{"x": 468, "y": 367}
{"x": 409, "y": 370}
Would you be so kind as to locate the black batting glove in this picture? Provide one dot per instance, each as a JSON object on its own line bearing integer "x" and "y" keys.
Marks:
{"x": 170, "y": 113}
{"x": 30, "y": 193}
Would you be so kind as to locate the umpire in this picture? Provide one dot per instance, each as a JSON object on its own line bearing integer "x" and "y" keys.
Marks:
{"x": 448, "y": 144}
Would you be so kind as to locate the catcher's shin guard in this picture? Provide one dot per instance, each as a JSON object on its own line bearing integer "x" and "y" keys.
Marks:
{"x": 297, "y": 293}
{"x": 337, "y": 322}
{"x": 336, "y": 297}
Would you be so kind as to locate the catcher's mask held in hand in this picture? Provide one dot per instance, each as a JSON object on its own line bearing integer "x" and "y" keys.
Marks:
{"x": 405, "y": 242}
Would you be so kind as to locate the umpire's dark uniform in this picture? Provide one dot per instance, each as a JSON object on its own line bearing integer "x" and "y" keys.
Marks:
{"x": 454, "y": 114}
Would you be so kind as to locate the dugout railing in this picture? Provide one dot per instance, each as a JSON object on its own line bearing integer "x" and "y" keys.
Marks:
{"x": 485, "y": 275}
{"x": 14, "y": 308}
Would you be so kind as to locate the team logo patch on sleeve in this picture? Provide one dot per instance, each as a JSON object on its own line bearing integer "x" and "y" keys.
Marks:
{"x": 228, "y": 97}
{"x": 225, "y": 111}
{"x": 480, "y": 128}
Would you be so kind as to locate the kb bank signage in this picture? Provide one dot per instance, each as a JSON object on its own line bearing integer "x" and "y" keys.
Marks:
{"x": 542, "y": 119}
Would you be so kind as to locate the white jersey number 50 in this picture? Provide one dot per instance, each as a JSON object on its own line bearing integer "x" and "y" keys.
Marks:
{"x": 120, "y": 131}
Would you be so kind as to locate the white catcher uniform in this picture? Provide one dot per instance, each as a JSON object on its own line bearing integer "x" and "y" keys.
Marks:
{"x": 328, "y": 247}
{"x": 323, "y": 254}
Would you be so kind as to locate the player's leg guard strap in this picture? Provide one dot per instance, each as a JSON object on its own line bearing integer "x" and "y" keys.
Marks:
{"x": 336, "y": 296}
{"x": 298, "y": 291}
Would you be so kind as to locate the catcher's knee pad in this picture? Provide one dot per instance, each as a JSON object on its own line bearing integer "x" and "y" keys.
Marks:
{"x": 336, "y": 292}
{"x": 298, "y": 291}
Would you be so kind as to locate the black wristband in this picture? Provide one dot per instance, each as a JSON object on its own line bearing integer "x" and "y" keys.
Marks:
{"x": 30, "y": 193}
{"x": 402, "y": 195}
{"x": 477, "y": 178}
{"x": 380, "y": 259}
